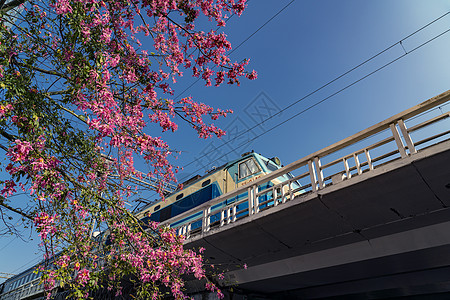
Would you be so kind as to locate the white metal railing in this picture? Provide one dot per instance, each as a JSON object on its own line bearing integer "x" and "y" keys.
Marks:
{"x": 24, "y": 291}
{"x": 375, "y": 146}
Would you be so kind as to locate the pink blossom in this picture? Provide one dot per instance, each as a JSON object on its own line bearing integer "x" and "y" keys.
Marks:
{"x": 20, "y": 151}
{"x": 45, "y": 224}
{"x": 4, "y": 109}
{"x": 83, "y": 277}
{"x": 106, "y": 35}
{"x": 8, "y": 188}
{"x": 62, "y": 7}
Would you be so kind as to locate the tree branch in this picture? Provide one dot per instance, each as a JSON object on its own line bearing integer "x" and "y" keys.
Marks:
{"x": 16, "y": 210}
{"x": 13, "y": 4}
{"x": 81, "y": 118}
{"x": 4, "y": 148}
{"x": 49, "y": 72}
{"x": 2, "y": 2}
{"x": 10, "y": 137}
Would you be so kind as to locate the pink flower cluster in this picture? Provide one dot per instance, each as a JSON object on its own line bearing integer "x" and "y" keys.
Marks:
{"x": 62, "y": 7}
{"x": 45, "y": 224}
{"x": 83, "y": 277}
{"x": 8, "y": 188}
{"x": 195, "y": 112}
{"x": 20, "y": 151}
{"x": 165, "y": 263}
{"x": 4, "y": 109}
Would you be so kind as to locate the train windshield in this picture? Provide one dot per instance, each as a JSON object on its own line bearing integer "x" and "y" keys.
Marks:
{"x": 247, "y": 168}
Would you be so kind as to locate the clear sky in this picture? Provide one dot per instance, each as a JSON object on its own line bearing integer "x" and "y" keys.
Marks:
{"x": 305, "y": 46}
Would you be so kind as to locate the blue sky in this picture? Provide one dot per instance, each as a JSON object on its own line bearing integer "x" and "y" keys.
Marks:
{"x": 307, "y": 45}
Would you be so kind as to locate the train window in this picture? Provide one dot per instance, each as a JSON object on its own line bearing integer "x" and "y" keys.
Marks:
{"x": 179, "y": 196}
{"x": 157, "y": 207}
{"x": 206, "y": 182}
{"x": 247, "y": 168}
{"x": 108, "y": 240}
{"x": 271, "y": 166}
{"x": 166, "y": 213}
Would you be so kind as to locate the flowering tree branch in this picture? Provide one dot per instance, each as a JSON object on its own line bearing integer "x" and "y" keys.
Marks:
{"x": 78, "y": 90}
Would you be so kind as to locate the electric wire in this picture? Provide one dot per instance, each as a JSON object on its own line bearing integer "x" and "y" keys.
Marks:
{"x": 328, "y": 97}
{"x": 329, "y": 83}
{"x": 237, "y": 47}
{"x": 26, "y": 265}
{"x": 260, "y": 27}
{"x": 7, "y": 244}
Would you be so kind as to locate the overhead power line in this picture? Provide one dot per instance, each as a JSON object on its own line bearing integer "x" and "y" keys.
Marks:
{"x": 261, "y": 27}
{"x": 243, "y": 42}
{"x": 327, "y": 84}
{"x": 332, "y": 95}
{"x": 29, "y": 263}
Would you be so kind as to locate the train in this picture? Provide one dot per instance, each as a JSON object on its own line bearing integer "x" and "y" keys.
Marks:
{"x": 200, "y": 189}
{"x": 194, "y": 192}
{"x": 24, "y": 285}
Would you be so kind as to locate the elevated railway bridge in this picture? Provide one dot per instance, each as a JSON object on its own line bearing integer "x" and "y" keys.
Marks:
{"x": 370, "y": 220}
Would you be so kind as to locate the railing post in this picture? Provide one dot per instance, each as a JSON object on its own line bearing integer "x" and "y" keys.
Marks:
{"x": 275, "y": 196}
{"x": 347, "y": 168}
{"x": 291, "y": 192}
{"x": 206, "y": 220}
{"x": 312, "y": 175}
{"x": 256, "y": 198}
{"x": 188, "y": 231}
{"x": 369, "y": 160}
{"x": 222, "y": 217}
{"x": 357, "y": 164}
{"x": 250, "y": 201}
{"x": 407, "y": 137}
{"x": 319, "y": 172}
{"x": 398, "y": 141}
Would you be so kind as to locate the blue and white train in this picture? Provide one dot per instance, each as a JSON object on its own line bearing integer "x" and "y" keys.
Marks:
{"x": 200, "y": 189}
